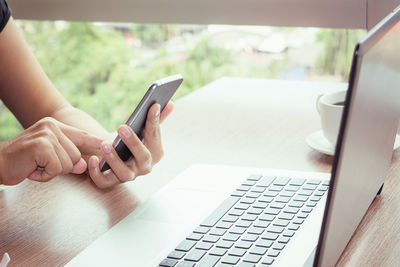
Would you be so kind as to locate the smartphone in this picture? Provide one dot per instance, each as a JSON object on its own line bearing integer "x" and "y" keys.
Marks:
{"x": 159, "y": 92}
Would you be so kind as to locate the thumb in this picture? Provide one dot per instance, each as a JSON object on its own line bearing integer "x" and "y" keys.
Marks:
{"x": 79, "y": 167}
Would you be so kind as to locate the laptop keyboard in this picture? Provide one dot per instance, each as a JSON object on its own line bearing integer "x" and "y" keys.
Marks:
{"x": 252, "y": 226}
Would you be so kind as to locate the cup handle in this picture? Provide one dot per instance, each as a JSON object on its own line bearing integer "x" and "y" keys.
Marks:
{"x": 317, "y": 103}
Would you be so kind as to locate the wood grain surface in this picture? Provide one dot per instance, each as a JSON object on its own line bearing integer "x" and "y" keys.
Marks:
{"x": 233, "y": 121}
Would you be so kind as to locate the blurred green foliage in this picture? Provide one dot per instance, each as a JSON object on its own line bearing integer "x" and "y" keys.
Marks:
{"x": 99, "y": 70}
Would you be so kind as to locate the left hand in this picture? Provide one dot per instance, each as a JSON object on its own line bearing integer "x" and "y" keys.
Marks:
{"x": 146, "y": 153}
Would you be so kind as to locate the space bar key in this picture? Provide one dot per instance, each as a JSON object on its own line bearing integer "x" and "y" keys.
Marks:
{"x": 220, "y": 211}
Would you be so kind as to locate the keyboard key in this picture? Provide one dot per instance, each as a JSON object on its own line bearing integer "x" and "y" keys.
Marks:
{"x": 252, "y": 258}
{"x": 285, "y": 216}
{"x": 208, "y": 261}
{"x": 280, "y": 222}
{"x": 266, "y": 199}
{"x": 250, "y": 237}
{"x": 255, "y": 211}
{"x": 222, "y": 209}
{"x": 218, "y": 252}
{"x": 258, "y": 250}
{"x": 314, "y": 181}
{"x": 265, "y": 181}
{"x": 242, "y": 206}
{"x": 243, "y": 244}
{"x": 277, "y": 205}
{"x": 315, "y": 199}
{"x": 281, "y": 181}
{"x": 176, "y": 255}
{"x": 249, "y": 217}
{"x": 265, "y": 243}
{"x": 255, "y": 230}
{"x": 282, "y": 199}
{"x": 217, "y": 231}
{"x": 204, "y": 245}
{"x": 287, "y": 194}
{"x": 185, "y": 245}
{"x": 270, "y": 236}
{"x": 242, "y": 223}
{"x": 267, "y": 217}
{"x": 195, "y": 255}
{"x": 272, "y": 211}
{"x": 292, "y": 188}
{"x": 288, "y": 233}
{"x": 247, "y": 200}
{"x": 296, "y": 204}
{"x": 284, "y": 240}
{"x": 239, "y": 252}
{"x": 322, "y": 188}
{"x": 224, "y": 244}
{"x": 236, "y": 212}
{"x": 186, "y": 264}
{"x": 260, "y": 205}
{"x": 269, "y": 193}
{"x": 273, "y": 253}
{"x": 230, "y": 260}
{"x": 201, "y": 230}
{"x": 238, "y": 193}
{"x": 245, "y": 264}
{"x": 276, "y": 229}
{"x": 277, "y": 188}
{"x": 244, "y": 188}
{"x": 302, "y": 215}
{"x": 326, "y": 182}
{"x": 311, "y": 204}
{"x": 249, "y": 183}
{"x": 278, "y": 246}
{"x": 309, "y": 187}
{"x": 291, "y": 210}
{"x": 298, "y": 221}
{"x": 195, "y": 237}
{"x": 237, "y": 230}
{"x": 268, "y": 261}
{"x": 253, "y": 195}
{"x": 230, "y": 218}
{"x": 211, "y": 238}
{"x": 319, "y": 193}
{"x": 258, "y": 189}
{"x": 224, "y": 225}
{"x": 294, "y": 227}
{"x": 307, "y": 209}
{"x": 168, "y": 263}
{"x": 305, "y": 192}
{"x": 231, "y": 237}
{"x": 261, "y": 224}
{"x": 300, "y": 198}
{"x": 297, "y": 181}
{"x": 254, "y": 177}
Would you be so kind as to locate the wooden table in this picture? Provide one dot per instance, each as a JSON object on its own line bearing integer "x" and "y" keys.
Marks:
{"x": 248, "y": 122}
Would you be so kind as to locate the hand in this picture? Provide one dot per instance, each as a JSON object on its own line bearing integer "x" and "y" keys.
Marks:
{"x": 146, "y": 152}
{"x": 44, "y": 150}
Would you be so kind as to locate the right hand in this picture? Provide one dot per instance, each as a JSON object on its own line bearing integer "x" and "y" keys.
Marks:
{"x": 46, "y": 149}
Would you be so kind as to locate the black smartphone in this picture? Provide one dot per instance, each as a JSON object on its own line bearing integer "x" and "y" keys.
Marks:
{"x": 159, "y": 92}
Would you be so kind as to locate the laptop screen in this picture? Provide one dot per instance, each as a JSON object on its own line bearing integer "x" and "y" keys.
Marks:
{"x": 365, "y": 142}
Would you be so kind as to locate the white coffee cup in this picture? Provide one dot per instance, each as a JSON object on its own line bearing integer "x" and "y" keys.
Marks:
{"x": 330, "y": 108}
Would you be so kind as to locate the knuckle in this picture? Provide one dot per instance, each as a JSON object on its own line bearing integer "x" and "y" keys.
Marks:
{"x": 47, "y": 122}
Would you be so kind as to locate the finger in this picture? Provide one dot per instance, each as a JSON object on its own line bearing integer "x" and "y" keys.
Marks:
{"x": 51, "y": 166}
{"x": 69, "y": 147}
{"x": 79, "y": 137}
{"x": 142, "y": 155}
{"x": 152, "y": 134}
{"x": 79, "y": 167}
{"x": 167, "y": 111}
{"x": 98, "y": 177}
{"x": 120, "y": 169}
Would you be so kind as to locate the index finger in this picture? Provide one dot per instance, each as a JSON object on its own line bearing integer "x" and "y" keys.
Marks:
{"x": 80, "y": 137}
{"x": 166, "y": 111}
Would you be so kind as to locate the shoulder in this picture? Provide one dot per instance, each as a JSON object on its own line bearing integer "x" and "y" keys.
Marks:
{"x": 5, "y": 14}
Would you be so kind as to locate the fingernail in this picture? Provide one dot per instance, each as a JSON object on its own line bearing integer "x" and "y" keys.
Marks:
{"x": 106, "y": 148}
{"x": 125, "y": 132}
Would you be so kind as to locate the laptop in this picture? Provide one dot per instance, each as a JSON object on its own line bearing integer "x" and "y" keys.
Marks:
{"x": 212, "y": 215}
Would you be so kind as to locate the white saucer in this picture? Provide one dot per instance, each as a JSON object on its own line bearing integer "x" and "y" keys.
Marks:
{"x": 318, "y": 142}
